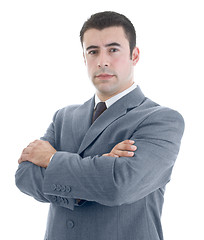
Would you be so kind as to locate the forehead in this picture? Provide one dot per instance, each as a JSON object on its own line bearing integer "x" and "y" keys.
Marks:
{"x": 105, "y": 36}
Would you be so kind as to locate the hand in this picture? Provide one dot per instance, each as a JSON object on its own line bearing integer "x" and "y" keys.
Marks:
{"x": 123, "y": 149}
{"x": 38, "y": 152}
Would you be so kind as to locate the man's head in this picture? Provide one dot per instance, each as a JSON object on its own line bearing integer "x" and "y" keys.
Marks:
{"x": 109, "y": 53}
{"x": 107, "y": 19}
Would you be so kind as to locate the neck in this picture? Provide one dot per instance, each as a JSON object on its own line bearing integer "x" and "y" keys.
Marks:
{"x": 103, "y": 96}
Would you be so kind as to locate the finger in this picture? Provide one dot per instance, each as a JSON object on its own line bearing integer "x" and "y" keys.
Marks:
{"x": 20, "y": 160}
{"x": 126, "y": 154}
{"x": 25, "y": 157}
{"x": 125, "y": 147}
{"x": 128, "y": 141}
{"x": 32, "y": 144}
{"x": 27, "y": 150}
{"x": 110, "y": 155}
{"x": 123, "y": 153}
{"x": 113, "y": 155}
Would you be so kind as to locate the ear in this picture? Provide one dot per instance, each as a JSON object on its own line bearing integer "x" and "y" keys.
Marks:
{"x": 135, "y": 55}
{"x": 84, "y": 58}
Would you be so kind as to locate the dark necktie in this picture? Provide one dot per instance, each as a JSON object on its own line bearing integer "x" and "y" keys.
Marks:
{"x": 100, "y": 108}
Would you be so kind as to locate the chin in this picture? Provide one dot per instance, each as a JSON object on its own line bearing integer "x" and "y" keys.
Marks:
{"x": 107, "y": 93}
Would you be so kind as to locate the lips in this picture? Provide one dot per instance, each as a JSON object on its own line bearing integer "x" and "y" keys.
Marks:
{"x": 104, "y": 76}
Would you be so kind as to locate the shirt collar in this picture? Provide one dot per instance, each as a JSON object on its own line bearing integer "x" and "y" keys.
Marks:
{"x": 115, "y": 98}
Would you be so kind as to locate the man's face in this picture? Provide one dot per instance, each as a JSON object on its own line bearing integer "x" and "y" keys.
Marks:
{"x": 108, "y": 60}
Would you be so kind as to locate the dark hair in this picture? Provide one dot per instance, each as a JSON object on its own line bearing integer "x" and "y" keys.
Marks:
{"x": 106, "y": 19}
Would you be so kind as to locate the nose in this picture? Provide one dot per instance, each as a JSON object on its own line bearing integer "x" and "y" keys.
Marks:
{"x": 103, "y": 60}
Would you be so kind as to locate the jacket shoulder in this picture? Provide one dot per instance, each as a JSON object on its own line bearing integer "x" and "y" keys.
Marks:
{"x": 59, "y": 114}
{"x": 169, "y": 115}
{"x": 161, "y": 117}
{"x": 158, "y": 111}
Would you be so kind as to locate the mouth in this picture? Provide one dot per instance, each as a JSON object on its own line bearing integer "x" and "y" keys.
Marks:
{"x": 104, "y": 76}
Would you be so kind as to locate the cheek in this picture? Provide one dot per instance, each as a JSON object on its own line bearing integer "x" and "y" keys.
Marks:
{"x": 89, "y": 67}
{"x": 121, "y": 60}
{"x": 121, "y": 65}
{"x": 90, "y": 64}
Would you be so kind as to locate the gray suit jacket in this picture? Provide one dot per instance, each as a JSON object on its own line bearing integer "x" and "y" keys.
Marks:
{"x": 123, "y": 197}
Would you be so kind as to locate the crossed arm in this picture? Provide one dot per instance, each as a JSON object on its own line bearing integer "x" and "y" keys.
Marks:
{"x": 118, "y": 177}
{"x": 39, "y": 152}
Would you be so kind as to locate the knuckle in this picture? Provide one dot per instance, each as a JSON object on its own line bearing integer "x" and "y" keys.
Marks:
{"x": 120, "y": 153}
{"x": 116, "y": 151}
{"x": 116, "y": 146}
{"x": 128, "y": 148}
{"x": 22, "y": 158}
{"x": 36, "y": 142}
{"x": 125, "y": 154}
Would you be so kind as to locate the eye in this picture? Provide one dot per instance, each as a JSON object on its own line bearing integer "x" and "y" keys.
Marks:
{"x": 113, "y": 50}
{"x": 92, "y": 52}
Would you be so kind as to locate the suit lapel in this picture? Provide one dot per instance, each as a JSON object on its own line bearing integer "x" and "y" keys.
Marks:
{"x": 81, "y": 120}
{"x": 115, "y": 111}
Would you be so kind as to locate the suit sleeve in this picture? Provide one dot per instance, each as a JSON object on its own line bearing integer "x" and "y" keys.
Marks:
{"x": 29, "y": 178}
{"x": 115, "y": 181}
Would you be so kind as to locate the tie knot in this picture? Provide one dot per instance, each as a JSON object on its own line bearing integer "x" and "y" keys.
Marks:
{"x": 100, "y": 108}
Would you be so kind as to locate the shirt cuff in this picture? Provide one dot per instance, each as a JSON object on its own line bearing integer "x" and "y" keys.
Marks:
{"x": 52, "y": 157}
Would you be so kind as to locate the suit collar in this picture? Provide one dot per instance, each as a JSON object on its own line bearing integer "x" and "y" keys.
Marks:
{"x": 87, "y": 133}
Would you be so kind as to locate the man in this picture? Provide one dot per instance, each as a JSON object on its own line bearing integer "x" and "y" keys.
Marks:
{"x": 103, "y": 167}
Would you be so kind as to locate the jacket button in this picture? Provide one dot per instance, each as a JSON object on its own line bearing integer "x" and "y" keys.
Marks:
{"x": 58, "y": 188}
{"x": 70, "y": 224}
{"x": 66, "y": 201}
{"x": 54, "y": 198}
{"x": 54, "y": 187}
{"x": 68, "y": 188}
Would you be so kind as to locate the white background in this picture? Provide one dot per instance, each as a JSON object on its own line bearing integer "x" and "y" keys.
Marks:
{"x": 42, "y": 70}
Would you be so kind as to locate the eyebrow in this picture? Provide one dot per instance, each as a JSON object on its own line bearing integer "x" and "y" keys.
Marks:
{"x": 107, "y": 45}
